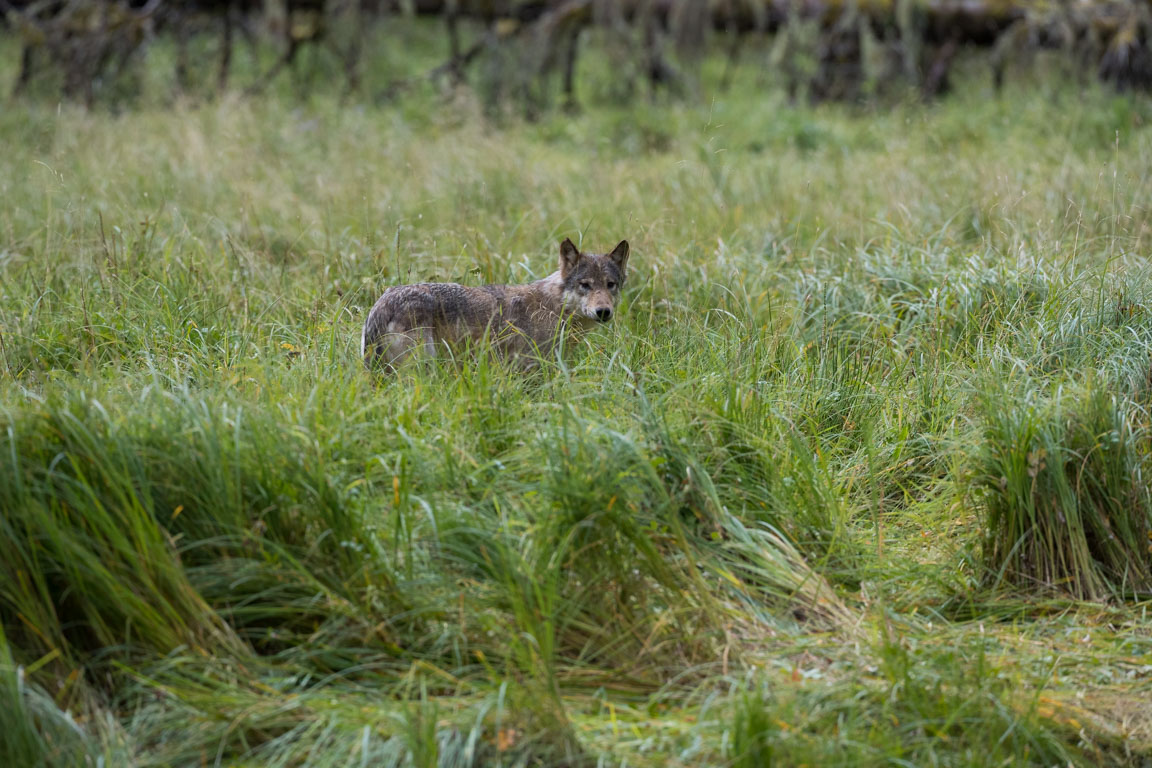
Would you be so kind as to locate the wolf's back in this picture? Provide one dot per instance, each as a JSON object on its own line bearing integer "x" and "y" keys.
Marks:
{"x": 404, "y": 309}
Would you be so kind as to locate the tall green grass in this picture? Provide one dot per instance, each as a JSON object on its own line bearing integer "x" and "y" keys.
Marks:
{"x": 1068, "y": 508}
{"x": 856, "y": 476}
{"x": 914, "y": 704}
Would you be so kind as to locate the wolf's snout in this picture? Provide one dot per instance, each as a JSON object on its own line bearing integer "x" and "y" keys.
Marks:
{"x": 604, "y": 314}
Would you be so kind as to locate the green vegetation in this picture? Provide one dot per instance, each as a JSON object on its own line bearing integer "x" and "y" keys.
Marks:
{"x": 858, "y": 476}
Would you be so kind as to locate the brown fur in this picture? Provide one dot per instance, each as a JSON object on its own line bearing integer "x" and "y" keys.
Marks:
{"x": 519, "y": 319}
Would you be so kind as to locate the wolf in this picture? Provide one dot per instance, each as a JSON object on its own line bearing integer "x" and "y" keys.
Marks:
{"x": 522, "y": 321}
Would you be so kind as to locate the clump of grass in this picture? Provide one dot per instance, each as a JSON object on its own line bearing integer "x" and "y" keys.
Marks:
{"x": 222, "y": 521}
{"x": 78, "y": 529}
{"x": 35, "y": 731}
{"x": 937, "y": 707}
{"x": 39, "y": 732}
{"x": 1066, "y": 503}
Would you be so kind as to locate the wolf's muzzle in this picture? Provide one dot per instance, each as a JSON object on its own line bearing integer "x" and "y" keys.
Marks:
{"x": 603, "y": 314}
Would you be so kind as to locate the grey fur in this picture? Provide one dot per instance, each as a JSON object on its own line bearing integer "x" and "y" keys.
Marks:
{"x": 519, "y": 319}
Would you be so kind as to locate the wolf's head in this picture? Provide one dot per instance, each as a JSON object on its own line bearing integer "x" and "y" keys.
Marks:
{"x": 591, "y": 282}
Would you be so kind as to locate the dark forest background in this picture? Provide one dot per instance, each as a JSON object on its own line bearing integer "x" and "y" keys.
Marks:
{"x": 528, "y": 52}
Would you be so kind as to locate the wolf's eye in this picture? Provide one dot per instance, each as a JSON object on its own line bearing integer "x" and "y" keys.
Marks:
{"x": 585, "y": 285}
{"x": 611, "y": 285}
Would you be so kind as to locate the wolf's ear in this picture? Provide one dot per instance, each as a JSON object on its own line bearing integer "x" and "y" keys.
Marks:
{"x": 620, "y": 254}
{"x": 569, "y": 255}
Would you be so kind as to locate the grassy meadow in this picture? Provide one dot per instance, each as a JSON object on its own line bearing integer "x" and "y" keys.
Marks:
{"x": 859, "y": 475}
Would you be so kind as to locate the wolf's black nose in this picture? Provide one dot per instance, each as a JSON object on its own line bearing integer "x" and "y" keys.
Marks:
{"x": 603, "y": 314}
